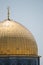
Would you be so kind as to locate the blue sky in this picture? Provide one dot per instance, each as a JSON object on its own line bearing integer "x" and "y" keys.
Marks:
{"x": 30, "y": 14}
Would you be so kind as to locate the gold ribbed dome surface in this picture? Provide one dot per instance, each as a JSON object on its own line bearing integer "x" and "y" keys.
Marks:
{"x": 15, "y": 39}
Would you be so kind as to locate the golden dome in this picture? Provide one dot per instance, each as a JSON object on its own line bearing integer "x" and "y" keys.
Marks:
{"x": 15, "y": 39}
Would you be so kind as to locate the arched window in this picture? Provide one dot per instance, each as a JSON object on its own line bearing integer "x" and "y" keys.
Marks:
{"x": 18, "y": 63}
{"x": 6, "y": 64}
{"x": 29, "y": 62}
{"x": 0, "y": 63}
{"x": 13, "y": 64}
{"x": 24, "y": 64}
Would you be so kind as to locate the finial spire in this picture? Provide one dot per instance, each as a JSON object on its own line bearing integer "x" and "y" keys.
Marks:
{"x": 8, "y": 13}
